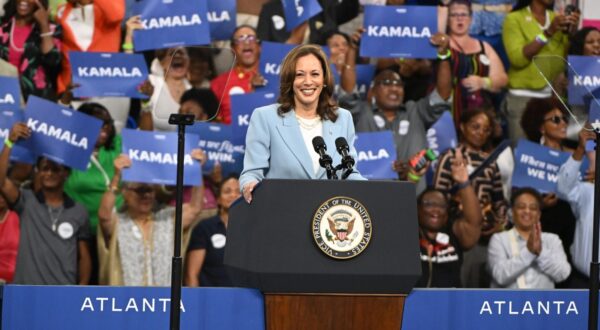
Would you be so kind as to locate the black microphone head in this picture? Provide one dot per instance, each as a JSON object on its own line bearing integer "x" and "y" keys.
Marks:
{"x": 318, "y": 143}
{"x": 341, "y": 144}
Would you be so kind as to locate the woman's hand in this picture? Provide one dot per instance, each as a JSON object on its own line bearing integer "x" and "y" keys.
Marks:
{"x": 41, "y": 15}
{"x": 442, "y": 41}
{"x": 146, "y": 88}
{"x": 67, "y": 96}
{"x": 460, "y": 174}
{"x": 258, "y": 81}
{"x": 122, "y": 161}
{"x": 19, "y": 130}
{"x": 549, "y": 200}
{"x": 134, "y": 23}
{"x": 473, "y": 83}
{"x": 199, "y": 155}
{"x": 247, "y": 191}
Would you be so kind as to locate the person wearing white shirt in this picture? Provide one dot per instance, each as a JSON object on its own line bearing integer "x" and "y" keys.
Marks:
{"x": 525, "y": 257}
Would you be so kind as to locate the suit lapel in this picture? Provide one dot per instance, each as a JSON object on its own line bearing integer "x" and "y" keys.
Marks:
{"x": 292, "y": 137}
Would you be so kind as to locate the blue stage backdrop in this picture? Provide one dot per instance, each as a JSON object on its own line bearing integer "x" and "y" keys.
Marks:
{"x": 98, "y": 307}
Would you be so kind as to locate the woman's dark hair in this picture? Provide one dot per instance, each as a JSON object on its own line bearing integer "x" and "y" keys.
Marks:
{"x": 219, "y": 187}
{"x": 10, "y": 9}
{"x": 97, "y": 110}
{"x": 204, "y": 97}
{"x": 239, "y": 27}
{"x": 526, "y": 190}
{"x": 334, "y": 32}
{"x": 521, "y": 4}
{"x": 326, "y": 109}
{"x": 467, "y": 116}
{"x": 533, "y": 116}
{"x": 460, "y": 2}
{"x": 578, "y": 40}
{"x": 428, "y": 190}
{"x": 203, "y": 54}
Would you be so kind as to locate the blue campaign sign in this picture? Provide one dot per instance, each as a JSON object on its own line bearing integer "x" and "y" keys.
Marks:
{"x": 594, "y": 119}
{"x": 441, "y": 136}
{"x": 10, "y": 93}
{"x": 376, "y": 153}
{"x": 584, "y": 79}
{"x": 399, "y": 31}
{"x": 242, "y": 106}
{"x": 299, "y": 11}
{"x": 18, "y": 153}
{"x": 271, "y": 57}
{"x": 537, "y": 166}
{"x": 171, "y": 23}
{"x": 104, "y": 307}
{"x": 61, "y": 134}
{"x": 154, "y": 158}
{"x": 364, "y": 77}
{"x": 217, "y": 142}
{"x": 221, "y": 18}
{"x": 496, "y": 309}
{"x": 108, "y": 74}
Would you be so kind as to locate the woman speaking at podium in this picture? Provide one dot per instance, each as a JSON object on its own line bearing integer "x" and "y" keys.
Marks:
{"x": 279, "y": 142}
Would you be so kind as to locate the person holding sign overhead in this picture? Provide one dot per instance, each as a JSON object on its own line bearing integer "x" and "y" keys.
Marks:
{"x": 279, "y": 138}
{"x": 53, "y": 248}
{"x": 139, "y": 237}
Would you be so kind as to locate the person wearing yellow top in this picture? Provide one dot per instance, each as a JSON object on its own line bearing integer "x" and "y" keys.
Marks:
{"x": 531, "y": 30}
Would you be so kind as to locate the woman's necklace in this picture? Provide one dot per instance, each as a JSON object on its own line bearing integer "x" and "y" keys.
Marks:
{"x": 308, "y": 124}
{"x": 12, "y": 39}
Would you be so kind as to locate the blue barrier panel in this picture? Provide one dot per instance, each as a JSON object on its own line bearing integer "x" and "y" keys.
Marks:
{"x": 98, "y": 307}
{"x": 496, "y": 309}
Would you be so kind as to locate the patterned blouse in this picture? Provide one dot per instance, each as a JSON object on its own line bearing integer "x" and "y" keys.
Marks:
{"x": 37, "y": 71}
{"x": 488, "y": 188}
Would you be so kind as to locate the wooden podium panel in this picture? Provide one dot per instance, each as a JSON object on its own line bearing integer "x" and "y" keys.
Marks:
{"x": 333, "y": 311}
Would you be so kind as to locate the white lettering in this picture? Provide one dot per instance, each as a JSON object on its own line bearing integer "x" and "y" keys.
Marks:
{"x": 109, "y": 72}
{"x": 370, "y": 155}
{"x": 485, "y": 307}
{"x": 87, "y": 303}
{"x": 588, "y": 81}
{"x": 57, "y": 133}
{"x": 215, "y": 17}
{"x": 131, "y": 305}
{"x": 572, "y": 308}
{"x": 158, "y": 157}
{"x": 7, "y": 99}
{"x": 398, "y": 31}
{"x": 171, "y": 22}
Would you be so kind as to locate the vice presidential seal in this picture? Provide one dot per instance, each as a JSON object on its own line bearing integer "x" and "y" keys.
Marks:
{"x": 342, "y": 227}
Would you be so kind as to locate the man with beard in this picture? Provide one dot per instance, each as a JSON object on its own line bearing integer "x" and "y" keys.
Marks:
{"x": 408, "y": 121}
{"x": 244, "y": 76}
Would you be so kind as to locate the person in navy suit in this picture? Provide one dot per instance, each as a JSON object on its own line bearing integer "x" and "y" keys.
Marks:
{"x": 279, "y": 138}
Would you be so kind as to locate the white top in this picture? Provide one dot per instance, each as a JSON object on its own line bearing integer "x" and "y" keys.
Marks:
{"x": 163, "y": 104}
{"x": 81, "y": 22}
{"x": 311, "y": 128}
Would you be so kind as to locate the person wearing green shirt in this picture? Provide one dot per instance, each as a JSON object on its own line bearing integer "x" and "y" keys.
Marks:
{"x": 87, "y": 187}
{"x": 531, "y": 33}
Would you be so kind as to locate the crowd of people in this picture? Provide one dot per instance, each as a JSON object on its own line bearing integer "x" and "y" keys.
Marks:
{"x": 476, "y": 228}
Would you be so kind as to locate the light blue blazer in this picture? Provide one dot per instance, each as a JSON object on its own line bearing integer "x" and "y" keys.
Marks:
{"x": 275, "y": 148}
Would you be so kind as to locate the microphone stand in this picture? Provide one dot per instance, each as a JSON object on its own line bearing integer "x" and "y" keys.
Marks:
{"x": 326, "y": 162}
{"x": 181, "y": 121}
{"x": 594, "y": 265}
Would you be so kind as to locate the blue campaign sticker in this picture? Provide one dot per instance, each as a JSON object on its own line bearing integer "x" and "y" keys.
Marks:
{"x": 271, "y": 58}
{"x": 171, "y": 23}
{"x": 242, "y": 106}
{"x": 18, "y": 153}
{"x": 217, "y": 142}
{"x": 108, "y": 74}
{"x": 154, "y": 158}
{"x": 399, "y": 31}
{"x": 299, "y": 11}
{"x": 375, "y": 154}
{"x": 221, "y": 18}
{"x": 61, "y": 134}
{"x": 537, "y": 166}
{"x": 584, "y": 79}
{"x": 10, "y": 93}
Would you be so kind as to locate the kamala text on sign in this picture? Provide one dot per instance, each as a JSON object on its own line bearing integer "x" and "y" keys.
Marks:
{"x": 171, "y": 23}
{"x": 399, "y": 31}
{"x": 584, "y": 78}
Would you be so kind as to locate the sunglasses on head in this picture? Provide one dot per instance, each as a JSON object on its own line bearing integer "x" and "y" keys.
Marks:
{"x": 390, "y": 82}
{"x": 249, "y": 38}
{"x": 556, "y": 119}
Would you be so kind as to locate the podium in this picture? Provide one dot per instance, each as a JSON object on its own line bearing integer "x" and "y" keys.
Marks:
{"x": 277, "y": 244}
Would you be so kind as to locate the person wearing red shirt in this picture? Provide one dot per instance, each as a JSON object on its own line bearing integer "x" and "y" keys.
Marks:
{"x": 9, "y": 241}
{"x": 244, "y": 76}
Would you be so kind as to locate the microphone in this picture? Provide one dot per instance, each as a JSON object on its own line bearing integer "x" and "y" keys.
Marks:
{"x": 324, "y": 159}
{"x": 344, "y": 150}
